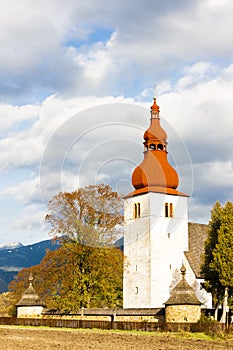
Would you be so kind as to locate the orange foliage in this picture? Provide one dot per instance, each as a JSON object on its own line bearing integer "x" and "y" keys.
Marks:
{"x": 91, "y": 215}
{"x": 75, "y": 276}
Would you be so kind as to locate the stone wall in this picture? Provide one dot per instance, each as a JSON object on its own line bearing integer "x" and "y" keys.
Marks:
{"x": 182, "y": 313}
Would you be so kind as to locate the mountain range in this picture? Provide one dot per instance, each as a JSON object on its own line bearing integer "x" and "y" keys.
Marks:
{"x": 15, "y": 256}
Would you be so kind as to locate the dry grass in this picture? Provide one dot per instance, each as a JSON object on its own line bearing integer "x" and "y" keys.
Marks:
{"x": 20, "y": 338}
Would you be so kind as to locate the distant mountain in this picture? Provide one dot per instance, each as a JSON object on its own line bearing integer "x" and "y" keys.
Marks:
{"x": 11, "y": 246}
{"x": 5, "y": 278}
{"x": 120, "y": 244}
{"x": 14, "y": 257}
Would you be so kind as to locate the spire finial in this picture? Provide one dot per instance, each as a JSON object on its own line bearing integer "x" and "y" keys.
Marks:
{"x": 155, "y": 109}
{"x": 30, "y": 279}
{"x": 183, "y": 270}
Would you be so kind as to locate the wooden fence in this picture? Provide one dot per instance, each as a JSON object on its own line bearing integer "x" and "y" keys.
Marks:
{"x": 212, "y": 328}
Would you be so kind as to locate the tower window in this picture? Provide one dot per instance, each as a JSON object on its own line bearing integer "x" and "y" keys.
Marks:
{"x": 171, "y": 210}
{"x": 137, "y": 210}
{"x": 160, "y": 147}
{"x": 136, "y": 290}
{"x": 152, "y": 146}
{"x": 168, "y": 210}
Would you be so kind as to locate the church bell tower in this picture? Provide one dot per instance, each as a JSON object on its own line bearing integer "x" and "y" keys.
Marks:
{"x": 156, "y": 224}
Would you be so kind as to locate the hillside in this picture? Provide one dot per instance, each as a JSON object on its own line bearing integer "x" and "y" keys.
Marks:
{"x": 14, "y": 258}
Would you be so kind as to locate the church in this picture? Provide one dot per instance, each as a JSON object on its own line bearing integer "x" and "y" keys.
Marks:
{"x": 158, "y": 239}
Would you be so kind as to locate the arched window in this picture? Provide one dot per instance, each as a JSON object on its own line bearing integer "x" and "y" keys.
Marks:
{"x": 160, "y": 147}
{"x": 168, "y": 210}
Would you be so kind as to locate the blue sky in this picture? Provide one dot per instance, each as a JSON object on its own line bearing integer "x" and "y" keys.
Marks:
{"x": 76, "y": 83}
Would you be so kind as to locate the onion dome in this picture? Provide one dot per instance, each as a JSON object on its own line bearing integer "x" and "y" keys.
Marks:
{"x": 155, "y": 173}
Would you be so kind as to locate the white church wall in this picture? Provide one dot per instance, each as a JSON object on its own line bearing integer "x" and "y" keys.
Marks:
{"x": 204, "y": 297}
{"x": 169, "y": 239}
{"x": 153, "y": 246}
{"x": 137, "y": 254}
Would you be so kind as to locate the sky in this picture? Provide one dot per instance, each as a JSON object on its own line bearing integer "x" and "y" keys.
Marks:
{"x": 77, "y": 79}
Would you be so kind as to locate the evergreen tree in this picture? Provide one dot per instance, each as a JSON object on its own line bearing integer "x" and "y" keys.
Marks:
{"x": 222, "y": 261}
{"x": 212, "y": 283}
{"x": 217, "y": 266}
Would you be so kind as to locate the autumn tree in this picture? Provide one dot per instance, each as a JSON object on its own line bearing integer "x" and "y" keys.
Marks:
{"x": 217, "y": 266}
{"x": 83, "y": 272}
{"x": 6, "y": 304}
{"x": 91, "y": 215}
{"x": 75, "y": 276}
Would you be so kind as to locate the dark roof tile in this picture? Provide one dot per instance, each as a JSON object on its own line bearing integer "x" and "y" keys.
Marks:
{"x": 197, "y": 236}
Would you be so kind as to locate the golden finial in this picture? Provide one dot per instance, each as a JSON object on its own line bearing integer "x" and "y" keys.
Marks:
{"x": 30, "y": 279}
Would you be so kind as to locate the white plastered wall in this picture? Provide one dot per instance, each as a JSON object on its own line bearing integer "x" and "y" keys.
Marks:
{"x": 137, "y": 269}
{"x": 204, "y": 297}
{"x": 154, "y": 248}
{"x": 29, "y": 311}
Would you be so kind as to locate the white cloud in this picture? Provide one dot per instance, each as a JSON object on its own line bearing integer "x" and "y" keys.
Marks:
{"x": 13, "y": 115}
{"x": 202, "y": 115}
{"x": 27, "y": 37}
{"x": 68, "y": 147}
{"x": 25, "y": 148}
{"x": 50, "y": 47}
{"x": 215, "y": 181}
{"x": 27, "y": 191}
{"x": 78, "y": 145}
{"x": 54, "y": 49}
{"x": 32, "y": 217}
{"x": 96, "y": 64}
{"x": 196, "y": 74}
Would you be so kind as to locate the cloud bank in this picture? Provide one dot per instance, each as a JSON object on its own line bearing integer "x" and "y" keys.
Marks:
{"x": 76, "y": 84}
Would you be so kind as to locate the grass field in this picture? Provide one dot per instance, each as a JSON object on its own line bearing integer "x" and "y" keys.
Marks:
{"x": 20, "y": 338}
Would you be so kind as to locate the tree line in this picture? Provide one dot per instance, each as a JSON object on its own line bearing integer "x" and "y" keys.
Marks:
{"x": 217, "y": 266}
{"x": 87, "y": 270}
